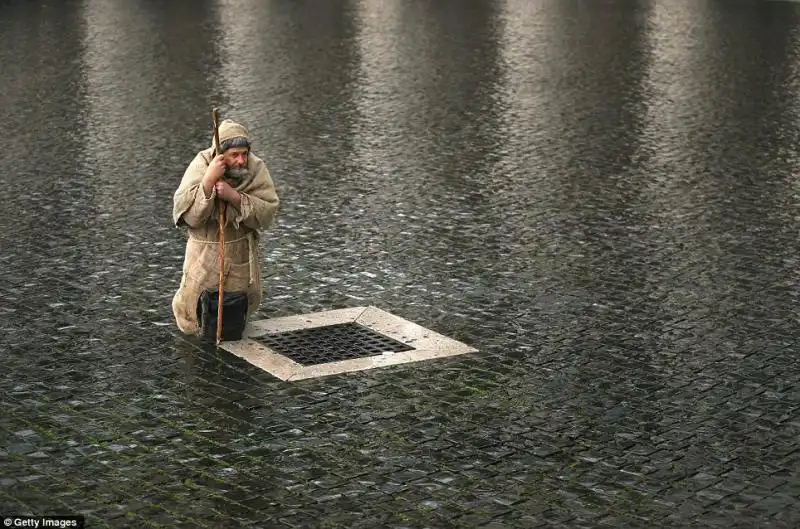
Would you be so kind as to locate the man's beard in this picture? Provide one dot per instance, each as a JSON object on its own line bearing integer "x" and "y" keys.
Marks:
{"x": 236, "y": 176}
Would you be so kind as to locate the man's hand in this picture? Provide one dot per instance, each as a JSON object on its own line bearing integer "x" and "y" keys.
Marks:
{"x": 214, "y": 171}
{"x": 227, "y": 193}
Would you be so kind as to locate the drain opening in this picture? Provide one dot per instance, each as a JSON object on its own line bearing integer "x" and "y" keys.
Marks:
{"x": 331, "y": 343}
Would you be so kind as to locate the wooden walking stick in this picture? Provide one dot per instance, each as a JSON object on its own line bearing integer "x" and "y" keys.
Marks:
{"x": 221, "y": 206}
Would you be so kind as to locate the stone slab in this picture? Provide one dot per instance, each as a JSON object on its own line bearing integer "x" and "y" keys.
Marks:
{"x": 427, "y": 343}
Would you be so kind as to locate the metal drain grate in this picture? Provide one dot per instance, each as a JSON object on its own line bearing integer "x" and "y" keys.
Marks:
{"x": 331, "y": 343}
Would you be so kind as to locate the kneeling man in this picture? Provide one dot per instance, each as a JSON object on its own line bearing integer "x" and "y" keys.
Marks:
{"x": 244, "y": 187}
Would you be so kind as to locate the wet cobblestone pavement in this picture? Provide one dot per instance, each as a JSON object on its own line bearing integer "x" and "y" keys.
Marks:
{"x": 601, "y": 197}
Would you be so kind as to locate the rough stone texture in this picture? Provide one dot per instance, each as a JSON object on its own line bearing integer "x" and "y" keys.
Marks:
{"x": 601, "y": 198}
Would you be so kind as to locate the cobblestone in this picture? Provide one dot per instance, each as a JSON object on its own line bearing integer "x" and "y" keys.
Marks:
{"x": 624, "y": 256}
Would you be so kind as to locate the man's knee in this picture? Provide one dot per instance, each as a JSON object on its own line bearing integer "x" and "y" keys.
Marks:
{"x": 183, "y": 318}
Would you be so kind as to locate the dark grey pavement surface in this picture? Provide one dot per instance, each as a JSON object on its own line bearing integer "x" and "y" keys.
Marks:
{"x": 602, "y": 197}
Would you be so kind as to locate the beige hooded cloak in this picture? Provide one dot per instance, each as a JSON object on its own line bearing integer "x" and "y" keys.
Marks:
{"x": 192, "y": 210}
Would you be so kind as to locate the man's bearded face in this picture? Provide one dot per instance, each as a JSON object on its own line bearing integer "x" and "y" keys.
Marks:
{"x": 236, "y": 165}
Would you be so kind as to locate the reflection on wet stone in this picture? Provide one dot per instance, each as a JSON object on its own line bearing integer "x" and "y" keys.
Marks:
{"x": 600, "y": 197}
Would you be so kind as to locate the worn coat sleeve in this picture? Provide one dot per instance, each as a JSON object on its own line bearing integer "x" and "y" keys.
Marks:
{"x": 259, "y": 202}
{"x": 200, "y": 210}
{"x": 190, "y": 205}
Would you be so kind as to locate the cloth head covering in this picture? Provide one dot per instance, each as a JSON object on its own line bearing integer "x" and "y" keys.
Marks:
{"x": 230, "y": 130}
